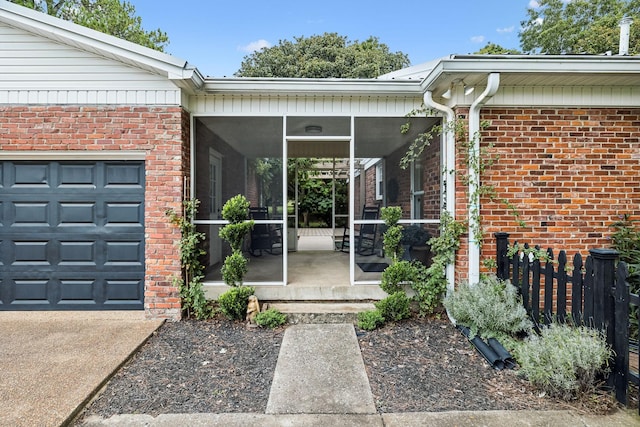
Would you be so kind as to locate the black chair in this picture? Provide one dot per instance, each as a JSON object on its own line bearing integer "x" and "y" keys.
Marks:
{"x": 365, "y": 237}
{"x": 264, "y": 237}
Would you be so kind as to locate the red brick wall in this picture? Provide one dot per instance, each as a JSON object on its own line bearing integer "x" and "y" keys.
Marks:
{"x": 162, "y": 132}
{"x": 569, "y": 172}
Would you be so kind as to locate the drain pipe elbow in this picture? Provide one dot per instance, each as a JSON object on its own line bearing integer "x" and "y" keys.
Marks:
{"x": 493, "y": 83}
{"x": 448, "y": 151}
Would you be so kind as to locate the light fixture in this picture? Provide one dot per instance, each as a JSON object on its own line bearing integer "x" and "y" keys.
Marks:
{"x": 313, "y": 129}
{"x": 468, "y": 90}
{"x": 447, "y": 94}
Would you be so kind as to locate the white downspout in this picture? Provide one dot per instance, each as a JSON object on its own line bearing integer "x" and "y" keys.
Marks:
{"x": 449, "y": 162}
{"x": 493, "y": 82}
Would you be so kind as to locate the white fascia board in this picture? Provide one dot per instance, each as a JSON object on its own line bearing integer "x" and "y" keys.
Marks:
{"x": 325, "y": 87}
{"x": 99, "y": 43}
{"x": 565, "y": 64}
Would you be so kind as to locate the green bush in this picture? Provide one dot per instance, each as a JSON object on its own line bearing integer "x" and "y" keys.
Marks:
{"x": 394, "y": 307}
{"x": 271, "y": 318}
{"x": 233, "y": 303}
{"x": 236, "y": 209}
{"x": 492, "y": 308}
{"x": 396, "y": 274}
{"x": 234, "y": 268}
{"x": 235, "y": 233}
{"x": 429, "y": 284}
{"x": 391, "y": 215}
{"x": 564, "y": 361}
{"x": 370, "y": 320}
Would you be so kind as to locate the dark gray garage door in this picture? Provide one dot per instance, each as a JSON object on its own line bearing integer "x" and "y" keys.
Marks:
{"x": 71, "y": 235}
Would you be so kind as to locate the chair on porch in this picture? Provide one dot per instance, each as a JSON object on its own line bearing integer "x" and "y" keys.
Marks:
{"x": 365, "y": 237}
{"x": 264, "y": 237}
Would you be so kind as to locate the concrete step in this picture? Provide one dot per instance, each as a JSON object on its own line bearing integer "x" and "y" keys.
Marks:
{"x": 320, "y": 312}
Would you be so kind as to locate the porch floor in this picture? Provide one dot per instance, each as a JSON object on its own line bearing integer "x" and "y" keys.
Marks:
{"x": 316, "y": 271}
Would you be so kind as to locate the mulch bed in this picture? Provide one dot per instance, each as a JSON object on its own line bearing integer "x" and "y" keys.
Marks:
{"x": 219, "y": 366}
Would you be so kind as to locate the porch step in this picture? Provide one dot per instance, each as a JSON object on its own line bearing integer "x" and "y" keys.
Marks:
{"x": 320, "y": 312}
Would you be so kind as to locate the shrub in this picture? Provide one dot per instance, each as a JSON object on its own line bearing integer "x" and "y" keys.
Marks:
{"x": 234, "y": 268}
{"x": 233, "y": 303}
{"x": 370, "y": 320}
{"x": 429, "y": 286}
{"x": 564, "y": 361}
{"x": 492, "y": 308}
{"x": 394, "y": 307}
{"x": 235, "y": 233}
{"x": 396, "y": 274}
{"x": 236, "y": 209}
{"x": 271, "y": 318}
{"x": 391, "y": 215}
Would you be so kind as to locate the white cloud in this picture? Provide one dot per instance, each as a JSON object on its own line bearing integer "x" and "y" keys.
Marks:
{"x": 506, "y": 30}
{"x": 533, "y": 4}
{"x": 477, "y": 39}
{"x": 254, "y": 46}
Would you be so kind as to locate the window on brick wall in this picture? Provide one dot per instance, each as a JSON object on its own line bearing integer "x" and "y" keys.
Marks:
{"x": 379, "y": 181}
{"x": 417, "y": 189}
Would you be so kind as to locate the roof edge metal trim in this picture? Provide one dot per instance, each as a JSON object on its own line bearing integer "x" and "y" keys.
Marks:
{"x": 578, "y": 64}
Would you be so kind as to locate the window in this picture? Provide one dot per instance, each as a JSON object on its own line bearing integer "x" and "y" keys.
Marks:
{"x": 379, "y": 181}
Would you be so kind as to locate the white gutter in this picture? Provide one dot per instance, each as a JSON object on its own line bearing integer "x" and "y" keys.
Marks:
{"x": 449, "y": 162}
{"x": 493, "y": 82}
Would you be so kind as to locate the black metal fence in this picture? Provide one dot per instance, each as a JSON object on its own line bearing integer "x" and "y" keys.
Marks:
{"x": 593, "y": 292}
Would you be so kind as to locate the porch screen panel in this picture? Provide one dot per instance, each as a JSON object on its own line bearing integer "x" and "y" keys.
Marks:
{"x": 241, "y": 155}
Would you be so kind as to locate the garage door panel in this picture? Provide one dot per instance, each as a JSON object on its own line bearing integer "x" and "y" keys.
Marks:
{"x": 31, "y": 253}
{"x": 27, "y": 175}
{"x": 31, "y": 213}
{"x": 31, "y": 291}
{"x": 78, "y": 175}
{"x": 124, "y": 253}
{"x": 123, "y": 175}
{"x": 72, "y": 235}
{"x": 77, "y": 291}
{"x": 76, "y": 254}
{"x": 71, "y": 213}
{"x": 118, "y": 291}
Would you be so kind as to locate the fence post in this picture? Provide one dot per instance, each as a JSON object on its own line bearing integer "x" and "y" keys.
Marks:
{"x": 502, "y": 244}
{"x": 620, "y": 368}
{"x": 603, "y": 298}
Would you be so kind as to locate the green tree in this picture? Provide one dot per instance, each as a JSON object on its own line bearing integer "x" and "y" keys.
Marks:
{"x": 496, "y": 49}
{"x": 113, "y": 17}
{"x": 580, "y": 26}
{"x": 323, "y": 56}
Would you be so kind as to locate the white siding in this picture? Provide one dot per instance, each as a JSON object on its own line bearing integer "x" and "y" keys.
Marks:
{"x": 257, "y": 105}
{"x": 34, "y": 70}
{"x": 567, "y": 96}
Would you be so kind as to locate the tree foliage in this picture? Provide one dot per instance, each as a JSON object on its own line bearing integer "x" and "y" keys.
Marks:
{"x": 496, "y": 49}
{"x": 579, "y": 26}
{"x": 113, "y": 17}
{"x": 323, "y": 56}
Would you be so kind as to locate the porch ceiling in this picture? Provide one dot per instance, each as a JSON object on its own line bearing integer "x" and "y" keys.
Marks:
{"x": 262, "y": 136}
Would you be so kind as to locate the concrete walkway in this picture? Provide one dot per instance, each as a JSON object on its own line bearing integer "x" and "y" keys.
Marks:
{"x": 52, "y": 362}
{"x": 320, "y": 371}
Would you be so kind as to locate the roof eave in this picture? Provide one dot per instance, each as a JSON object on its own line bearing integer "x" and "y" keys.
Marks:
{"x": 324, "y": 87}
{"x": 566, "y": 64}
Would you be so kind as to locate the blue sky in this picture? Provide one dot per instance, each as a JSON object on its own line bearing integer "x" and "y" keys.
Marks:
{"x": 215, "y": 35}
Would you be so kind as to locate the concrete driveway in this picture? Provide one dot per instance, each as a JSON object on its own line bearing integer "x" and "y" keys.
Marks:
{"x": 51, "y": 362}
